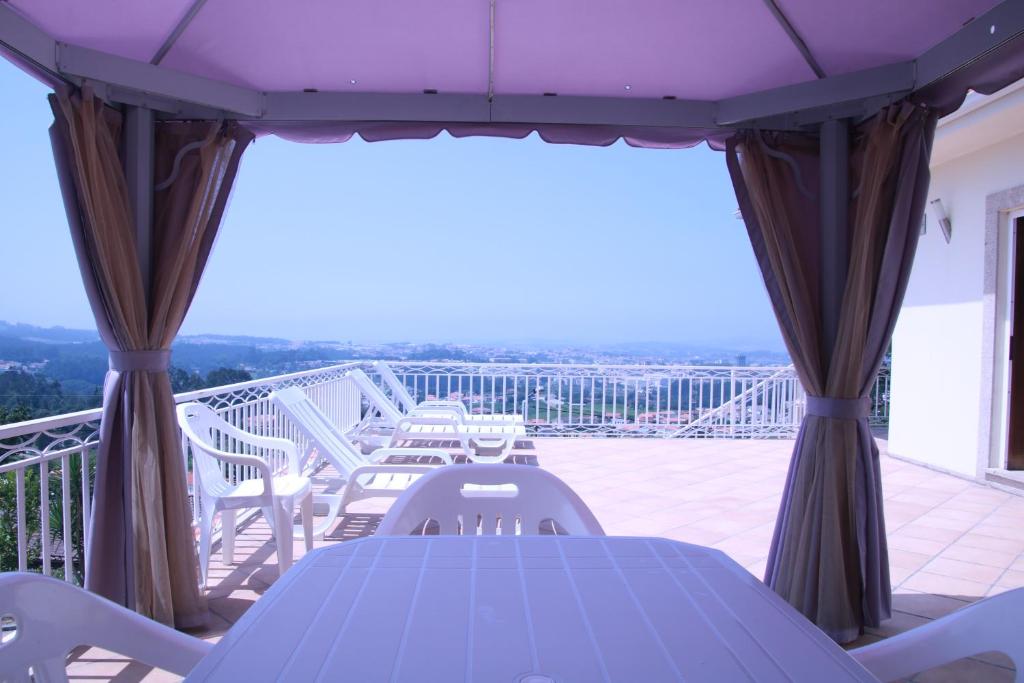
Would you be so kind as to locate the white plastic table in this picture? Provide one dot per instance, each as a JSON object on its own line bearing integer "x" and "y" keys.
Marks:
{"x": 523, "y": 609}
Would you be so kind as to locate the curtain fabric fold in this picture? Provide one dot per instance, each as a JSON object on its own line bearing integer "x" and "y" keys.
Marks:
{"x": 828, "y": 555}
{"x": 141, "y": 544}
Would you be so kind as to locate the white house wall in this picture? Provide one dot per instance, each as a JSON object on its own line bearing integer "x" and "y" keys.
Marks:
{"x": 942, "y": 371}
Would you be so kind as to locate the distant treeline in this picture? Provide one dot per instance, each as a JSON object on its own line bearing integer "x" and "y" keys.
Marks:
{"x": 87, "y": 361}
{"x": 28, "y": 395}
{"x": 183, "y": 380}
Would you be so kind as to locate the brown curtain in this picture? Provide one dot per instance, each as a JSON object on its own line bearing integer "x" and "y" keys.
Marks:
{"x": 141, "y": 545}
{"x": 828, "y": 556}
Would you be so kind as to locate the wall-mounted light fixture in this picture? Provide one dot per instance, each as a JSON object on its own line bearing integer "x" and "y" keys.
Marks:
{"x": 938, "y": 212}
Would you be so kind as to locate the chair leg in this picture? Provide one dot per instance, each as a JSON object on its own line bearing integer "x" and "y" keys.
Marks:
{"x": 205, "y": 534}
{"x": 268, "y": 516}
{"x": 283, "y": 510}
{"x": 307, "y": 521}
{"x": 227, "y": 536}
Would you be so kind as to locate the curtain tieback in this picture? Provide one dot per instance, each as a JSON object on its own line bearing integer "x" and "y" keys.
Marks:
{"x": 140, "y": 361}
{"x": 839, "y": 408}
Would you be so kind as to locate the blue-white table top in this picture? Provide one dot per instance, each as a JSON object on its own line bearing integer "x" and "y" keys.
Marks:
{"x": 529, "y": 609}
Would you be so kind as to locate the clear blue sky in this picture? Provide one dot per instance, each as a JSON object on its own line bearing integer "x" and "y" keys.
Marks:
{"x": 474, "y": 240}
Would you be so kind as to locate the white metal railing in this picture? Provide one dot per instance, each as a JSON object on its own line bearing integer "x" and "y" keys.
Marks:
{"x": 629, "y": 400}
{"x": 880, "y": 393}
{"x": 47, "y": 466}
{"x": 770, "y": 406}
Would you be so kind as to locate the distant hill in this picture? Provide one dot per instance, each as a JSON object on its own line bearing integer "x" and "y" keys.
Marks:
{"x": 238, "y": 340}
{"x": 77, "y": 359}
{"x": 58, "y": 335}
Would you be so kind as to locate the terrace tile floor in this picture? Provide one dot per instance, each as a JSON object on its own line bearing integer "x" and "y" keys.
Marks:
{"x": 951, "y": 541}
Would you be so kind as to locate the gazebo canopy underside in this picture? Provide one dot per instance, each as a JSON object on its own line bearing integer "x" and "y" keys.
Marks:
{"x": 658, "y": 72}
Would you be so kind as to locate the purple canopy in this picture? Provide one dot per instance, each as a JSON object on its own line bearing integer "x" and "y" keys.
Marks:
{"x": 659, "y": 73}
{"x": 705, "y": 50}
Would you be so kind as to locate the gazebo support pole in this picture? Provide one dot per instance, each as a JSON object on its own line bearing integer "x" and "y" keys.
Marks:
{"x": 139, "y": 142}
{"x": 835, "y": 229}
{"x": 138, "y": 166}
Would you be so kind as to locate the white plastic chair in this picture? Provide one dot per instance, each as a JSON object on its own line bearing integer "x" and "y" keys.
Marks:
{"x": 989, "y": 625}
{"x": 490, "y": 499}
{"x": 409, "y": 406}
{"x": 364, "y": 477}
{"x": 51, "y": 617}
{"x": 479, "y": 442}
{"x": 276, "y": 493}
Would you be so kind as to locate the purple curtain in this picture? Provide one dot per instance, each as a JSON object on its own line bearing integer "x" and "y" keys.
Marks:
{"x": 141, "y": 547}
{"x": 828, "y": 555}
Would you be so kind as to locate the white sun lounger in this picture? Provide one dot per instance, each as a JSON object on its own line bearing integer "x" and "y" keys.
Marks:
{"x": 364, "y": 476}
{"x": 406, "y": 403}
{"x": 479, "y": 443}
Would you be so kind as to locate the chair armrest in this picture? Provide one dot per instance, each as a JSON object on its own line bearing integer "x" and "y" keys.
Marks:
{"x": 238, "y": 459}
{"x": 242, "y": 460}
{"x": 286, "y": 446}
{"x": 150, "y": 642}
{"x": 382, "y": 454}
{"x": 272, "y": 443}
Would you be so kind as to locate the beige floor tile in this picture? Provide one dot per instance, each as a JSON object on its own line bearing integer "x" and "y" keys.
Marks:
{"x": 916, "y": 545}
{"x": 1012, "y": 579}
{"x": 970, "y": 571}
{"x": 938, "y": 584}
{"x": 975, "y": 540}
{"x": 930, "y": 533}
{"x": 986, "y": 556}
{"x": 907, "y": 559}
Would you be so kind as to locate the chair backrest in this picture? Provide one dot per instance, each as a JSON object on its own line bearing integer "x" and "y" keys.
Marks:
{"x": 398, "y": 389}
{"x": 44, "y": 619}
{"x": 377, "y": 398}
{"x": 318, "y": 428}
{"x": 204, "y": 430}
{"x": 490, "y": 499}
{"x": 989, "y": 625}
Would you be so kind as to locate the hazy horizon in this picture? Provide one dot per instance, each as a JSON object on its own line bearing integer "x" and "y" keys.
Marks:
{"x": 475, "y": 241}
{"x": 723, "y": 345}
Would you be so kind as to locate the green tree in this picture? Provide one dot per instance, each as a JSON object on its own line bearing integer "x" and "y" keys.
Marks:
{"x": 224, "y": 376}
{"x": 183, "y": 380}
